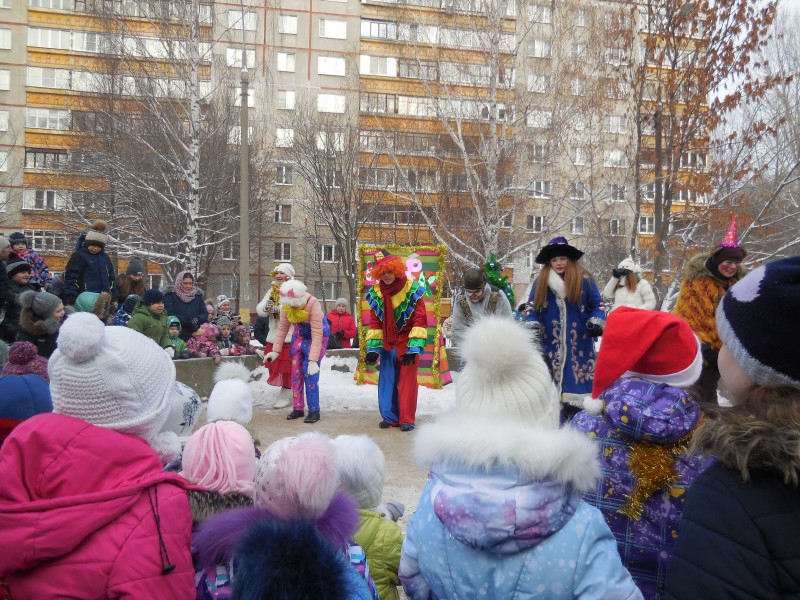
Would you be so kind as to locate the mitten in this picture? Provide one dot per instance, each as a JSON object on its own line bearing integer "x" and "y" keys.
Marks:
{"x": 372, "y": 358}
{"x": 616, "y": 273}
{"x": 313, "y": 367}
{"x": 170, "y": 351}
{"x": 225, "y": 351}
{"x": 195, "y": 322}
{"x": 271, "y": 356}
{"x": 595, "y": 329}
{"x": 408, "y": 359}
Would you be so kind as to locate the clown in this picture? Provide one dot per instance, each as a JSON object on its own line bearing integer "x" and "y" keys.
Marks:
{"x": 397, "y": 335}
{"x": 311, "y": 332}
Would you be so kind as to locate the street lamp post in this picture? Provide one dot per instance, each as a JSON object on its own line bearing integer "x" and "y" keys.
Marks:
{"x": 244, "y": 192}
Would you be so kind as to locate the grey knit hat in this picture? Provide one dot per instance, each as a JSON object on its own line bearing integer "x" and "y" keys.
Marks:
{"x": 341, "y": 301}
{"x": 42, "y": 304}
{"x": 135, "y": 267}
{"x": 4, "y": 243}
{"x": 3, "y": 353}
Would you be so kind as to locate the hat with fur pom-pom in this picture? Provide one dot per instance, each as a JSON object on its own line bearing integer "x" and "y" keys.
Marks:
{"x": 97, "y": 234}
{"x": 293, "y": 293}
{"x": 113, "y": 377}
{"x": 231, "y": 399}
{"x": 362, "y": 466}
{"x": 505, "y": 374}
{"x": 297, "y": 477}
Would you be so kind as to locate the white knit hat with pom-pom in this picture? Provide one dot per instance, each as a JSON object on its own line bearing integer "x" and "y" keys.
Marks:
{"x": 231, "y": 399}
{"x": 113, "y": 377}
{"x": 505, "y": 374}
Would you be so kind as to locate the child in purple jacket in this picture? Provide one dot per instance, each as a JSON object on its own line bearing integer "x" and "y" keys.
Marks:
{"x": 646, "y": 361}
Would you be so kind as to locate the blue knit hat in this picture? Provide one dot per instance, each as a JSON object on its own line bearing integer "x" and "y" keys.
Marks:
{"x": 758, "y": 320}
{"x": 152, "y": 296}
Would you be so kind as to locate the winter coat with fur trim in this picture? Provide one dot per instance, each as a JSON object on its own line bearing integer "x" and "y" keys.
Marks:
{"x": 382, "y": 540}
{"x": 43, "y": 333}
{"x": 459, "y": 322}
{"x": 738, "y": 540}
{"x": 86, "y": 512}
{"x": 635, "y": 412}
{"x": 641, "y": 297}
{"x": 566, "y": 339}
{"x": 87, "y": 272}
{"x": 501, "y": 516}
{"x": 699, "y": 296}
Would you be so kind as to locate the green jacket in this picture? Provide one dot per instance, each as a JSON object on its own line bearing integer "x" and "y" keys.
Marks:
{"x": 148, "y": 323}
{"x": 382, "y": 540}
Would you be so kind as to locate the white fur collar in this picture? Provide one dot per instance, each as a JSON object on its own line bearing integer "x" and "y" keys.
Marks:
{"x": 556, "y": 283}
{"x": 565, "y": 455}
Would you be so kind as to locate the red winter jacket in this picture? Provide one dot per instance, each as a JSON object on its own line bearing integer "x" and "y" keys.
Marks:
{"x": 86, "y": 512}
{"x": 344, "y": 322}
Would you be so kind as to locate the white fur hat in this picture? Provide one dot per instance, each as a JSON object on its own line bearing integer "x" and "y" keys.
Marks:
{"x": 113, "y": 377}
{"x": 628, "y": 264}
{"x": 231, "y": 399}
{"x": 293, "y": 293}
{"x": 361, "y": 466}
{"x": 505, "y": 374}
{"x": 285, "y": 268}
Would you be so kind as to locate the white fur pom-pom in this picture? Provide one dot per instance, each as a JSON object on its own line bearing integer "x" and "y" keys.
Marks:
{"x": 592, "y": 406}
{"x": 232, "y": 370}
{"x": 81, "y": 337}
{"x": 167, "y": 446}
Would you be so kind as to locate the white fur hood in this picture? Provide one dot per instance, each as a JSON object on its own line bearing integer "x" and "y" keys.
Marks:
{"x": 480, "y": 442}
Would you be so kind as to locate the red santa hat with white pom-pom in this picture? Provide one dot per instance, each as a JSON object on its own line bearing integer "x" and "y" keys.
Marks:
{"x": 649, "y": 344}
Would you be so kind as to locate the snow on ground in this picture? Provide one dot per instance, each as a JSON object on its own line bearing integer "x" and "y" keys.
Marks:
{"x": 339, "y": 391}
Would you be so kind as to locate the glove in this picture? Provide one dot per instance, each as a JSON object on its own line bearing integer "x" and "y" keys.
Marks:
{"x": 195, "y": 322}
{"x": 339, "y": 334}
{"x": 260, "y": 353}
{"x": 616, "y": 273}
{"x": 170, "y": 351}
{"x": 408, "y": 359}
{"x": 372, "y": 358}
{"x": 313, "y": 367}
{"x": 594, "y": 329}
{"x": 225, "y": 351}
{"x": 271, "y": 356}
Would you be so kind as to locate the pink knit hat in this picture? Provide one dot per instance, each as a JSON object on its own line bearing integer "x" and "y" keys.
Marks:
{"x": 220, "y": 457}
{"x": 23, "y": 359}
{"x": 297, "y": 477}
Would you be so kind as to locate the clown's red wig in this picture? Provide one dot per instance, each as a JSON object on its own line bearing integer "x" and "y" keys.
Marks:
{"x": 394, "y": 265}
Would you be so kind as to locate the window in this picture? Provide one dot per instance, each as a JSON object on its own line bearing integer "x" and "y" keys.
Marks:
{"x": 693, "y": 160}
{"x": 539, "y": 13}
{"x": 647, "y": 225}
{"x": 91, "y": 202}
{"x": 227, "y": 287}
{"x": 540, "y": 49}
{"x": 615, "y": 55}
{"x": 577, "y": 190}
{"x": 283, "y": 251}
{"x": 284, "y": 175}
{"x": 45, "y": 159}
{"x": 330, "y": 103}
{"x": 333, "y": 28}
{"x": 579, "y": 123}
{"x": 287, "y": 24}
{"x": 284, "y": 138}
{"x": 577, "y": 87}
{"x": 42, "y": 200}
{"x": 539, "y": 84}
{"x": 534, "y": 223}
{"x": 229, "y": 249}
{"x": 376, "y": 177}
{"x": 283, "y": 213}
{"x": 376, "y": 140}
{"x": 5, "y": 79}
{"x": 617, "y": 21}
{"x": 422, "y": 180}
{"x": 578, "y": 51}
{"x": 3, "y": 161}
{"x": 615, "y": 158}
{"x": 5, "y": 39}
{"x": 540, "y": 189}
{"x": 242, "y": 20}
{"x": 506, "y": 220}
{"x": 539, "y": 153}
{"x": 538, "y": 119}
{"x": 616, "y": 227}
{"x": 580, "y": 16}
{"x": 327, "y": 290}
{"x": 576, "y": 226}
{"x": 286, "y": 61}
{"x": 48, "y": 240}
{"x": 689, "y": 196}
{"x": 418, "y": 69}
{"x": 3, "y": 120}
{"x": 233, "y": 57}
{"x": 378, "y": 103}
{"x": 617, "y": 192}
{"x": 385, "y": 66}
{"x": 326, "y": 253}
{"x": 47, "y": 118}
{"x": 615, "y": 124}
{"x": 46, "y": 78}
{"x": 331, "y": 65}
{"x": 378, "y": 29}
{"x": 330, "y": 141}
{"x": 649, "y": 191}
{"x": 3, "y": 201}
{"x": 286, "y": 99}
{"x": 577, "y": 155}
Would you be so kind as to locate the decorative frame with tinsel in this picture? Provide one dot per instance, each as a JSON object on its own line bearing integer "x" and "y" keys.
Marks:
{"x": 433, "y": 369}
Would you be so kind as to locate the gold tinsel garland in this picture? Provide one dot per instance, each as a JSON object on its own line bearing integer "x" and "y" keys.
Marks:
{"x": 653, "y": 466}
{"x": 437, "y": 297}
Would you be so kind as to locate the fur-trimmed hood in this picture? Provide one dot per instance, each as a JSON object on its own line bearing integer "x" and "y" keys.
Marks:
{"x": 204, "y": 504}
{"x": 696, "y": 267}
{"x": 504, "y": 485}
{"x": 38, "y": 327}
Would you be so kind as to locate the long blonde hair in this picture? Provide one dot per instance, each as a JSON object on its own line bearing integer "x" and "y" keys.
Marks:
{"x": 573, "y": 283}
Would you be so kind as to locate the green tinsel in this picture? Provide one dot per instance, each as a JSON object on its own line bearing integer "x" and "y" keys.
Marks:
{"x": 494, "y": 274}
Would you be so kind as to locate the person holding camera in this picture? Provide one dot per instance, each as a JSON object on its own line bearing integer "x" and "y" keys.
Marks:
{"x": 627, "y": 287}
{"x": 566, "y": 304}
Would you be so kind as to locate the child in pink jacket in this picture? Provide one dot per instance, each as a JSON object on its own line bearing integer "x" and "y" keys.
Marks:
{"x": 86, "y": 509}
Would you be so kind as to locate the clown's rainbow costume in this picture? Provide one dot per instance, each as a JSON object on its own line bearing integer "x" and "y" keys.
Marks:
{"x": 397, "y": 332}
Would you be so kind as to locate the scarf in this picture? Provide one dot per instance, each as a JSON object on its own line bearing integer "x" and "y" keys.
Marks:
{"x": 296, "y": 314}
{"x": 389, "y": 325}
{"x": 180, "y": 292}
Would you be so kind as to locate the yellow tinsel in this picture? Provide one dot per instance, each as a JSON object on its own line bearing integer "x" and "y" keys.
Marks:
{"x": 296, "y": 314}
{"x": 653, "y": 467}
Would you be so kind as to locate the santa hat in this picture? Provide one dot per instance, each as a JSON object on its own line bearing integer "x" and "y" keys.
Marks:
{"x": 231, "y": 399}
{"x": 505, "y": 374}
{"x": 362, "y": 465}
{"x": 650, "y": 344}
{"x": 728, "y": 248}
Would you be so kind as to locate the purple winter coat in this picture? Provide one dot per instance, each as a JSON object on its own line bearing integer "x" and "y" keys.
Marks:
{"x": 638, "y": 410}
